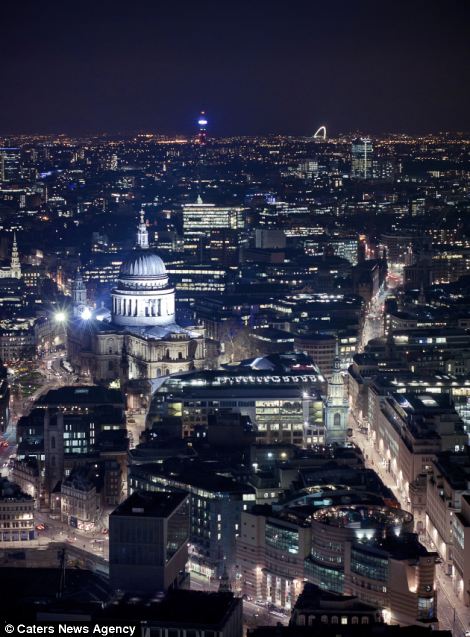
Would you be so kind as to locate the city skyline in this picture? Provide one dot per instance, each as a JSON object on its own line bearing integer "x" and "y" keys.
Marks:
{"x": 235, "y": 318}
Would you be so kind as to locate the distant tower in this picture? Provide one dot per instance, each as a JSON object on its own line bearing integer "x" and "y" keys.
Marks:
{"x": 202, "y": 123}
{"x": 79, "y": 298}
{"x": 336, "y": 407}
{"x": 15, "y": 267}
{"x": 142, "y": 234}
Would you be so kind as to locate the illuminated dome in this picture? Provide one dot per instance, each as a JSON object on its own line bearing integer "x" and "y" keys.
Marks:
{"x": 143, "y": 264}
{"x": 143, "y": 296}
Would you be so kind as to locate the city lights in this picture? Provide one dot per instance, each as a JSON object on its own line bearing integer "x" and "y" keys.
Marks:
{"x": 235, "y": 336}
{"x": 60, "y": 316}
{"x": 86, "y": 314}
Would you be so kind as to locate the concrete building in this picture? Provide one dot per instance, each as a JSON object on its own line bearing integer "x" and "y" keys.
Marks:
{"x": 80, "y": 502}
{"x": 16, "y": 513}
{"x": 366, "y": 550}
{"x": 70, "y": 427}
{"x": 271, "y": 552}
{"x": 461, "y": 550}
{"x": 320, "y": 347}
{"x": 410, "y": 431}
{"x": 317, "y": 607}
{"x": 281, "y": 393}
{"x": 148, "y": 542}
{"x": 4, "y": 399}
{"x": 17, "y": 344}
{"x": 448, "y": 481}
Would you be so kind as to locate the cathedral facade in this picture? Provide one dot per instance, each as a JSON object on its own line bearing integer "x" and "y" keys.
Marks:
{"x": 138, "y": 340}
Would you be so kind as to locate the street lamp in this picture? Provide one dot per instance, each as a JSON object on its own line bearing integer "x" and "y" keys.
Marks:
{"x": 86, "y": 314}
{"x": 60, "y": 316}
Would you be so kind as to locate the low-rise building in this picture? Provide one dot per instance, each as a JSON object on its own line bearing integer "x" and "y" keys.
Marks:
{"x": 317, "y": 607}
{"x": 16, "y": 513}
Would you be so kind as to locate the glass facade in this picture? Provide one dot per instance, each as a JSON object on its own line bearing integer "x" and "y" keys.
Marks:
{"x": 284, "y": 419}
{"x": 282, "y": 539}
{"x": 368, "y": 565}
{"x": 426, "y": 608}
{"x": 177, "y": 529}
{"x": 79, "y": 435}
{"x": 329, "y": 579}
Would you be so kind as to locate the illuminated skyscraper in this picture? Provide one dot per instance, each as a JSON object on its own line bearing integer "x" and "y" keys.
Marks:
{"x": 9, "y": 164}
{"x": 202, "y": 123}
{"x": 362, "y": 154}
{"x": 200, "y": 218}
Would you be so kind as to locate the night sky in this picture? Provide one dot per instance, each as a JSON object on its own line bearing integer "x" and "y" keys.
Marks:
{"x": 257, "y": 66}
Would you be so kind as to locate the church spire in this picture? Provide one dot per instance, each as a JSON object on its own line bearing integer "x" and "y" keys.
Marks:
{"x": 224, "y": 582}
{"x": 15, "y": 266}
{"x": 142, "y": 233}
{"x": 336, "y": 405}
{"x": 79, "y": 294}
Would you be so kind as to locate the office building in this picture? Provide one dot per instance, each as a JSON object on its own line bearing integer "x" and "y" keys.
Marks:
{"x": 461, "y": 550}
{"x": 216, "y": 504}
{"x": 447, "y": 482}
{"x": 281, "y": 393}
{"x": 410, "y": 430}
{"x": 200, "y": 218}
{"x": 320, "y": 347}
{"x": 9, "y": 164}
{"x": 366, "y": 550}
{"x": 362, "y": 155}
{"x": 317, "y": 607}
{"x": 148, "y": 542}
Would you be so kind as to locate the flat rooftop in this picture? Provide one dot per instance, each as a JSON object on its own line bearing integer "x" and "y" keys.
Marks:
{"x": 87, "y": 394}
{"x": 199, "y": 607}
{"x": 197, "y": 477}
{"x": 158, "y": 505}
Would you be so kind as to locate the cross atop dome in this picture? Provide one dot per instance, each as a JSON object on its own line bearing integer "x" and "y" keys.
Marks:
{"x": 142, "y": 233}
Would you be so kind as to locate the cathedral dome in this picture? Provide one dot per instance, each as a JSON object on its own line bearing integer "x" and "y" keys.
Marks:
{"x": 143, "y": 264}
{"x": 143, "y": 296}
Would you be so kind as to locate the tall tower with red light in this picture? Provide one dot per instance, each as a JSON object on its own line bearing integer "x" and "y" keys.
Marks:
{"x": 202, "y": 124}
